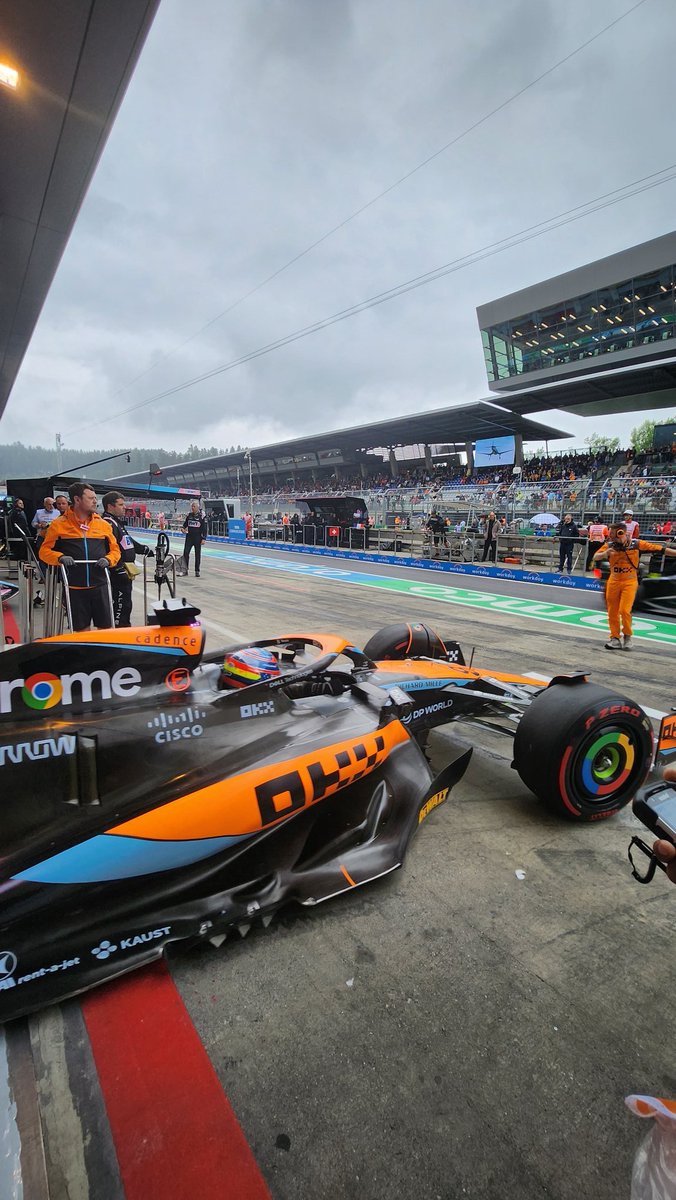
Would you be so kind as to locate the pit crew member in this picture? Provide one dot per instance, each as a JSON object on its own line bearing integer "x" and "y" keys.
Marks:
{"x": 121, "y": 578}
{"x": 623, "y": 555}
{"x": 81, "y": 534}
{"x": 195, "y": 526}
{"x": 597, "y": 533}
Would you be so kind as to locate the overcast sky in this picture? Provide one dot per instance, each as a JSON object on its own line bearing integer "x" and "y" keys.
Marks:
{"x": 252, "y": 128}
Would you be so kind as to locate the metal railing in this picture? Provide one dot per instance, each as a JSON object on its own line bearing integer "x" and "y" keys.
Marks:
{"x": 57, "y": 597}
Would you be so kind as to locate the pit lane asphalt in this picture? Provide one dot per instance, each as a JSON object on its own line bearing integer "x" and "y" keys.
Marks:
{"x": 452, "y": 1030}
{"x": 503, "y": 587}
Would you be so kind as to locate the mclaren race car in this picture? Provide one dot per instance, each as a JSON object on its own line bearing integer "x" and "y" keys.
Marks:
{"x": 153, "y": 793}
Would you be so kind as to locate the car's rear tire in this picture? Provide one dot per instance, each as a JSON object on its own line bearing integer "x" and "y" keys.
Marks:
{"x": 405, "y": 640}
{"x": 583, "y": 750}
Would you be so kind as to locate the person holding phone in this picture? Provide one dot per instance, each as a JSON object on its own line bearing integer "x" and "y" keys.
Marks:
{"x": 662, "y": 849}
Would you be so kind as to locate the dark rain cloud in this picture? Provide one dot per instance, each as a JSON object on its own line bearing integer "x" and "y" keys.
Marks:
{"x": 250, "y": 129}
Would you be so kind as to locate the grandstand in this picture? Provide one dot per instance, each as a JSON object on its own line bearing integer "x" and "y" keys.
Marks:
{"x": 356, "y": 453}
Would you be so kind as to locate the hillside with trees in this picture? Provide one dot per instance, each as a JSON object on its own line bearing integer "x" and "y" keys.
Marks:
{"x": 18, "y": 461}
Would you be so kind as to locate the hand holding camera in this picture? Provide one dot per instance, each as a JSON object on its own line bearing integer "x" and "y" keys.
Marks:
{"x": 655, "y": 807}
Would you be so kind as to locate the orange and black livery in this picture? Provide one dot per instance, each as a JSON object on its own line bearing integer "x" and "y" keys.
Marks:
{"x": 146, "y": 803}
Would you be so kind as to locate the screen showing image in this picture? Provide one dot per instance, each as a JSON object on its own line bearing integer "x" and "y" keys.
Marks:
{"x": 664, "y": 436}
{"x": 494, "y": 452}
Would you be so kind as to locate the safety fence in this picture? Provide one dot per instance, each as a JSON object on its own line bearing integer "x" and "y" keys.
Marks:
{"x": 653, "y": 500}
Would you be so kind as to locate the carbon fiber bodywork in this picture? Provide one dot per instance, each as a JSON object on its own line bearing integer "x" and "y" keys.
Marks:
{"x": 656, "y": 595}
{"x": 144, "y": 806}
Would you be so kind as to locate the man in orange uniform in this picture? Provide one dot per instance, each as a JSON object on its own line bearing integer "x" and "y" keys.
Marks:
{"x": 623, "y": 555}
{"x": 597, "y": 534}
{"x": 83, "y": 543}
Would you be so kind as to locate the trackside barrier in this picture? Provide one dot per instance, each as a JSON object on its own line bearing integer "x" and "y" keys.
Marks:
{"x": 29, "y": 574}
{"x": 581, "y": 583}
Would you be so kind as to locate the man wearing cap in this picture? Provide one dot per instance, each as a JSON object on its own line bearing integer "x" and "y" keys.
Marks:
{"x": 630, "y": 524}
{"x": 623, "y": 556}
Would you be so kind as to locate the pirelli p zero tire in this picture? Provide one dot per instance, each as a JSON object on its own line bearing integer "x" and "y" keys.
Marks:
{"x": 583, "y": 751}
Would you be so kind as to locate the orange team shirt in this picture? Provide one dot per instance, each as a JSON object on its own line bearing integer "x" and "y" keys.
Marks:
{"x": 71, "y": 533}
{"x": 624, "y": 563}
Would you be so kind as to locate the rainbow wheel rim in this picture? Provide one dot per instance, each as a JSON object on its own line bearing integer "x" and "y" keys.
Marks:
{"x": 607, "y": 762}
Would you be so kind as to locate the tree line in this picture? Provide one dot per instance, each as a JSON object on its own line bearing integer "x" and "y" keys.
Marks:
{"x": 18, "y": 461}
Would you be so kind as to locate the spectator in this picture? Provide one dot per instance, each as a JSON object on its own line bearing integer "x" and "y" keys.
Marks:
{"x": 436, "y": 527}
{"x": 568, "y": 535}
{"x": 122, "y": 577}
{"x": 41, "y": 522}
{"x": 490, "y": 540}
{"x": 61, "y": 504}
{"x": 43, "y": 519}
{"x": 84, "y": 544}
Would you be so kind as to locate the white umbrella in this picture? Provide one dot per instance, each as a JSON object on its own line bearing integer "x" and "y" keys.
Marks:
{"x": 545, "y": 519}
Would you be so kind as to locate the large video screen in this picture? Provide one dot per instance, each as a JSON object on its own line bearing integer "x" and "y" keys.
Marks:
{"x": 664, "y": 436}
{"x": 494, "y": 452}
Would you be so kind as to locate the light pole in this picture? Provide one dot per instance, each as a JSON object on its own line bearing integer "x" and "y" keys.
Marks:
{"x": 247, "y": 454}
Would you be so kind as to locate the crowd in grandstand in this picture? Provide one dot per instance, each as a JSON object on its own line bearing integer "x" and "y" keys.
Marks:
{"x": 606, "y": 476}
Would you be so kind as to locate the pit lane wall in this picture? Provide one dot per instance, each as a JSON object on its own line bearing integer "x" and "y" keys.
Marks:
{"x": 518, "y": 575}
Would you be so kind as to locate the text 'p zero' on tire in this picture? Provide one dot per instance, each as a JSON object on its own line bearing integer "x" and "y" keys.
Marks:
{"x": 583, "y": 751}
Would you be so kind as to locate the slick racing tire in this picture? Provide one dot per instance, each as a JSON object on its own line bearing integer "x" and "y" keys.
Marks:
{"x": 583, "y": 750}
{"x": 405, "y": 640}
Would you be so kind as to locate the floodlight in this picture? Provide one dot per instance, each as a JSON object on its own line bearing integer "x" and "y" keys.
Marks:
{"x": 9, "y": 76}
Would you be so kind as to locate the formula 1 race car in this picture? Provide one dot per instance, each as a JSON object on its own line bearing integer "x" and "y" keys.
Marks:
{"x": 149, "y": 798}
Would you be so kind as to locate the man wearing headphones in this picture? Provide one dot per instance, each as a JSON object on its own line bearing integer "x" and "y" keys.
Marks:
{"x": 121, "y": 578}
{"x": 623, "y": 554}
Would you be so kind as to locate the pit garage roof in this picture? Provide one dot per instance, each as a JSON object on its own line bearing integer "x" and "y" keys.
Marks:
{"x": 632, "y": 389}
{"x": 75, "y": 59}
{"x": 447, "y": 426}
